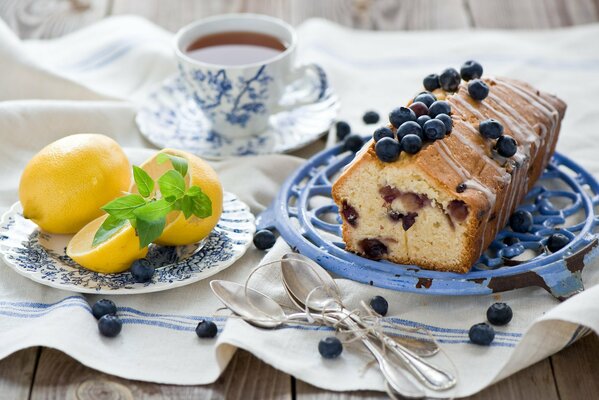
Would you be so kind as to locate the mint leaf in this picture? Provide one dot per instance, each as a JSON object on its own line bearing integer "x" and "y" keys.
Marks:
{"x": 194, "y": 191}
{"x": 108, "y": 228}
{"x": 153, "y": 210}
{"x": 179, "y": 163}
{"x": 149, "y": 230}
{"x": 186, "y": 206}
{"x": 145, "y": 184}
{"x": 123, "y": 207}
{"x": 172, "y": 184}
{"x": 202, "y": 206}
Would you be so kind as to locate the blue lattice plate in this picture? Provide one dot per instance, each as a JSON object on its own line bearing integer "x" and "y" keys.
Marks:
{"x": 564, "y": 200}
{"x": 41, "y": 257}
{"x": 171, "y": 117}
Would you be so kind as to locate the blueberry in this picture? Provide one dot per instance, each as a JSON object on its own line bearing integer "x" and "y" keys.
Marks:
{"x": 506, "y": 146}
{"x": 142, "y": 270}
{"x": 409, "y": 128}
{"x": 342, "y": 129}
{"x": 510, "y": 240}
{"x": 103, "y": 307}
{"x": 557, "y": 241}
{"x": 471, "y": 70}
{"x": 387, "y": 149}
{"x": 264, "y": 239}
{"x": 330, "y": 347}
{"x": 439, "y": 107}
{"x": 400, "y": 115}
{"x": 450, "y": 80}
{"x": 419, "y": 108}
{"x": 446, "y": 119}
{"x": 478, "y": 89}
{"x": 431, "y": 82}
{"x": 411, "y": 144}
{"x": 422, "y": 119}
{"x": 434, "y": 129}
{"x": 426, "y": 98}
{"x": 499, "y": 314}
{"x": 353, "y": 143}
{"x": 381, "y": 133}
{"x": 379, "y": 305}
{"x": 110, "y": 325}
{"x": 371, "y": 117}
{"x": 490, "y": 128}
{"x": 206, "y": 329}
{"x": 482, "y": 334}
{"x": 521, "y": 221}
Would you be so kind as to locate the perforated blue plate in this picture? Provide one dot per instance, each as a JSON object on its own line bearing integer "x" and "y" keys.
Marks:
{"x": 563, "y": 200}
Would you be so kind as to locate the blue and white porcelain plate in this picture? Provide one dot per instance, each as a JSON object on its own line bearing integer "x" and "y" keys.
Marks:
{"x": 42, "y": 257}
{"x": 171, "y": 117}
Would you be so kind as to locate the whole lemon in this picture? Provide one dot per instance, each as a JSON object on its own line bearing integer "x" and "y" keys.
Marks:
{"x": 64, "y": 185}
{"x": 179, "y": 230}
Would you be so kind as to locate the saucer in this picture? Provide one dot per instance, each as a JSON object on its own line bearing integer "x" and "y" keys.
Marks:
{"x": 42, "y": 257}
{"x": 170, "y": 117}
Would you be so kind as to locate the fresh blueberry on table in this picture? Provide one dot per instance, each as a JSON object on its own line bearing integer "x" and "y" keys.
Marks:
{"x": 481, "y": 334}
{"x": 400, "y": 115}
{"x": 439, "y": 107}
{"x": 510, "y": 240}
{"x": 371, "y": 117}
{"x": 490, "y": 128}
{"x": 110, "y": 325}
{"x": 499, "y": 314}
{"x": 446, "y": 119}
{"x": 387, "y": 149}
{"x": 342, "y": 129}
{"x": 409, "y": 128}
{"x": 353, "y": 143}
{"x": 471, "y": 70}
{"x": 264, "y": 239}
{"x": 422, "y": 119}
{"x": 206, "y": 329}
{"x": 330, "y": 347}
{"x": 521, "y": 221}
{"x": 103, "y": 307}
{"x": 434, "y": 129}
{"x": 411, "y": 144}
{"x": 142, "y": 271}
{"x": 431, "y": 82}
{"x": 379, "y": 305}
{"x": 426, "y": 98}
{"x": 478, "y": 89}
{"x": 450, "y": 80}
{"x": 419, "y": 108}
{"x": 557, "y": 241}
{"x": 382, "y": 132}
{"x": 506, "y": 146}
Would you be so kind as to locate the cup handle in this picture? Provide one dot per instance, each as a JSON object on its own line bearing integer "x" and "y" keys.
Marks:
{"x": 308, "y": 84}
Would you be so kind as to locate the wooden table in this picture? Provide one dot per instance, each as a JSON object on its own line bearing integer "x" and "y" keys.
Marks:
{"x": 41, "y": 373}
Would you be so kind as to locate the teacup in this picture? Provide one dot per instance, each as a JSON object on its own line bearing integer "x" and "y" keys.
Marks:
{"x": 239, "y": 98}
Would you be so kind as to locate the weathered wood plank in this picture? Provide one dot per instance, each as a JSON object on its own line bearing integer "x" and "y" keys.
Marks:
{"x": 533, "y": 383}
{"x": 576, "y": 369}
{"x": 61, "y": 377}
{"x": 16, "y": 374}
{"x": 418, "y": 14}
{"x": 531, "y": 14}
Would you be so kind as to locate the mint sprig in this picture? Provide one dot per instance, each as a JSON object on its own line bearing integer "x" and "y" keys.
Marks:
{"x": 147, "y": 210}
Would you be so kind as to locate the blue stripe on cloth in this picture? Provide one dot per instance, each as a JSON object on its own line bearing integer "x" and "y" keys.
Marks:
{"x": 106, "y": 55}
{"x": 445, "y": 330}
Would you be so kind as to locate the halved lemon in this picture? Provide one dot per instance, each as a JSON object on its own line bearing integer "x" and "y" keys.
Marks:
{"x": 179, "y": 230}
{"x": 114, "y": 255}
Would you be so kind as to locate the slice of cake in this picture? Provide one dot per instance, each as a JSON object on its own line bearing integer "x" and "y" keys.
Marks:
{"x": 433, "y": 190}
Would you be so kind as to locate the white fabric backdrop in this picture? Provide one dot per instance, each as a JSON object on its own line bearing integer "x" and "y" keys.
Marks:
{"x": 91, "y": 81}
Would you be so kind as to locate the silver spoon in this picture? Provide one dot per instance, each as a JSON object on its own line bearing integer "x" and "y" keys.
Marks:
{"x": 301, "y": 280}
{"x": 423, "y": 348}
{"x": 262, "y": 311}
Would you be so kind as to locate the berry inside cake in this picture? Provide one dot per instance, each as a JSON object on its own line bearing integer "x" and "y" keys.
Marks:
{"x": 434, "y": 186}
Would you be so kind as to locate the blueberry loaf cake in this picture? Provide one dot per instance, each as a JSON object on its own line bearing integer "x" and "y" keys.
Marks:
{"x": 434, "y": 186}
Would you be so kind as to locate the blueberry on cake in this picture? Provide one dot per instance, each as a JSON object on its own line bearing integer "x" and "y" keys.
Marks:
{"x": 434, "y": 186}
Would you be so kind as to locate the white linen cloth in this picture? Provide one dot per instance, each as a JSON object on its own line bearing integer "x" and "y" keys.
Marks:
{"x": 91, "y": 81}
